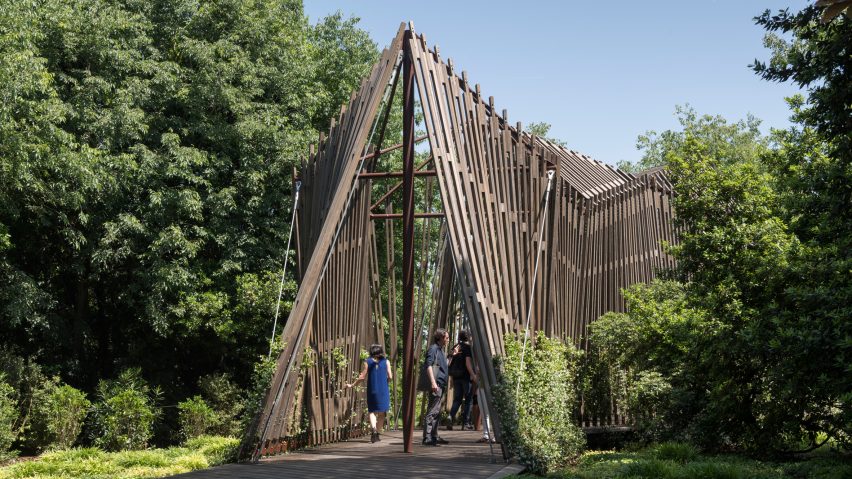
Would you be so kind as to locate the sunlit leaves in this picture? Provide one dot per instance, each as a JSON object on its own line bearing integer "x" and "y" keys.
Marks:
{"x": 145, "y": 168}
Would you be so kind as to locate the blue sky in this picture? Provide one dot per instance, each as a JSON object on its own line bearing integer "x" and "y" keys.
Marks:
{"x": 600, "y": 72}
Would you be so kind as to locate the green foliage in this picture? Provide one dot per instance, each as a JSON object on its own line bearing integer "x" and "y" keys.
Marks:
{"x": 735, "y": 362}
{"x": 675, "y": 451}
{"x": 649, "y": 399}
{"x": 716, "y": 470}
{"x": 8, "y": 418}
{"x": 125, "y": 413}
{"x": 336, "y": 368}
{"x": 196, "y": 417}
{"x": 226, "y": 400}
{"x": 634, "y": 357}
{"x": 145, "y": 175}
{"x": 61, "y": 415}
{"x": 651, "y": 468}
{"x": 682, "y": 462}
{"x": 50, "y": 414}
{"x": 732, "y": 254}
{"x": 344, "y": 55}
{"x": 764, "y": 252}
{"x": 725, "y": 141}
{"x": 33, "y": 391}
{"x": 216, "y": 449}
{"x": 261, "y": 378}
{"x": 747, "y": 349}
{"x": 541, "y": 129}
{"x": 538, "y": 419}
{"x": 813, "y": 171}
{"x": 198, "y": 453}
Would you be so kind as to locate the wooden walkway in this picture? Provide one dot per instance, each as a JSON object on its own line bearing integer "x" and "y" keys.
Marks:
{"x": 462, "y": 458}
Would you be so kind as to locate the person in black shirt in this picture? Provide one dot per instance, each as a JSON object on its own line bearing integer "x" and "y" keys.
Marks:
{"x": 461, "y": 370}
{"x": 436, "y": 372}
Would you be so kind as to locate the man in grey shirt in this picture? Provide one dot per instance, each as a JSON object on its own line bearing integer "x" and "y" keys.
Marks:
{"x": 436, "y": 371}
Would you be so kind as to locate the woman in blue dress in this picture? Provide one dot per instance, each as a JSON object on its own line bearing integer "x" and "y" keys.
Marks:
{"x": 376, "y": 371}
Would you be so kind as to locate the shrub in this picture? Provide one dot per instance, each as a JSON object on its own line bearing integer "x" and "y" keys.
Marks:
{"x": 652, "y": 468}
{"x": 125, "y": 413}
{"x": 8, "y": 417}
{"x": 640, "y": 360}
{"x": 196, "y": 417}
{"x": 261, "y": 379}
{"x": 34, "y": 397}
{"x": 648, "y": 400}
{"x": 50, "y": 414}
{"x": 820, "y": 468}
{"x": 538, "y": 421}
{"x": 227, "y": 401}
{"x": 30, "y": 389}
{"x": 217, "y": 450}
{"x": 61, "y": 415}
{"x": 676, "y": 451}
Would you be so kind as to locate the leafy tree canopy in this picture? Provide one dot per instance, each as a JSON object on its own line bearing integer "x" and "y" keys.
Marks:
{"x": 764, "y": 257}
{"x": 741, "y": 139}
{"x": 145, "y": 175}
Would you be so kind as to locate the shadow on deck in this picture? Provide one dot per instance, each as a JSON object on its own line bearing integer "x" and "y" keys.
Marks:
{"x": 462, "y": 458}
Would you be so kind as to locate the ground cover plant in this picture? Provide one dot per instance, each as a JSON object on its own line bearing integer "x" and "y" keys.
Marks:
{"x": 93, "y": 463}
{"x": 682, "y": 461}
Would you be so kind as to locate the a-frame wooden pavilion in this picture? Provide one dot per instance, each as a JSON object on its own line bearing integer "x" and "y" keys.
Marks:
{"x": 536, "y": 237}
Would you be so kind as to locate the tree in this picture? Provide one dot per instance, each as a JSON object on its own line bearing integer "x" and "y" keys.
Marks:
{"x": 738, "y": 375}
{"x": 833, "y": 8}
{"x": 640, "y": 359}
{"x": 764, "y": 252}
{"x": 813, "y": 168}
{"x": 145, "y": 176}
{"x": 733, "y": 255}
{"x": 541, "y": 129}
{"x": 726, "y": 140}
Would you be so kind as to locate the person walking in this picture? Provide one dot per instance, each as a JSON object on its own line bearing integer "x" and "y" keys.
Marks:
{"x": 464, "y": 377}
{"x": 376, "y": 371}
{"x": 435, "y": 369}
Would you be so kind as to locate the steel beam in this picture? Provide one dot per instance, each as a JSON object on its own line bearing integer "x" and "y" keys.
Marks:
{"x": 394, "y": 174}
{"x": 408, "y": 366}
{"x": 393, "y": 148}
{"x": 396, "y": 216}
{"x": 397, "y": 186}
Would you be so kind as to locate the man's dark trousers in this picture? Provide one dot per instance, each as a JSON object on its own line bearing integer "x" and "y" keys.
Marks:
{"x": 430, "y": 424}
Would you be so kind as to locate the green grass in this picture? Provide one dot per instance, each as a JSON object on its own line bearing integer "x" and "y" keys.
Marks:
{"x": 682, "y": 461}
{"x": 93, "y": 463}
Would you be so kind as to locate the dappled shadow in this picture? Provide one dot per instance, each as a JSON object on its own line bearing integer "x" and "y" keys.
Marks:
{"x": 462, "y": 458}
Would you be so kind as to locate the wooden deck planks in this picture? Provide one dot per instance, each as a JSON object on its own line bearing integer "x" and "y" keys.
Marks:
{"x": 358, "y": 458}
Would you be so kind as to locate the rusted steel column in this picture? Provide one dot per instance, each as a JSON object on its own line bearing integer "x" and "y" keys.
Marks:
{"x": 408, "y": 391}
